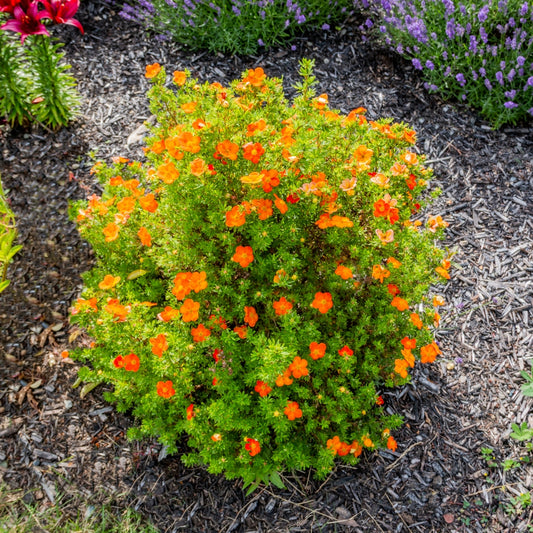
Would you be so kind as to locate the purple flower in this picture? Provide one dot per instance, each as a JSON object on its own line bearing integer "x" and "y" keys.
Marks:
{"x": 449, "y": 6}
{"x": 429, "y": 65}
{"x": 510, "y": 94}
{"x": 417, "y": 64}
{"x": 447, "y": 72}
{"x": 450, "y": 29}
{"x": 483, "y": 13}
{"x": 260, "y": 42}
{"x": 511, "y": 74}
{"x": 502, "y": 65}
{"x": 488, "y": 84}
{"x": 474, "y": 75}
{"x": 482, "y": 71}
{"x": 530, "y": 111}
{"x": 483, "y": 35}
{"x": 293, "y": 47}
{"x": 529, "y": 83}
{"x": 510, "y": 105}
{"x": 473, "y": 44}
{"x": 499, "y": 77}
{"x": 325, "y": 27}
{"x": 524, "y": 8}
{"x": 368, "y": 23}
{"x": 461, "y": 79}
{"x": 520, "y": 61}
{"x": 236, "y": 10}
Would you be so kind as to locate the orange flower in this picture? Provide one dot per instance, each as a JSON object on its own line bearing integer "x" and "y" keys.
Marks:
{"x": 198, "y": 167}
{"x": 400, "y": 367}
{"x": 380, "y": 400}
{"x": 146, "y": 239}
{"x": 282, "y": 306}
{"x": 438, "y": 301}
{"x": 189, "y": 310}
{"x": 379, "y": 179}
{"x": 381, "y": 208}
{"x": 320, "y": 102}
{"x": 299, "y": 367}
{"x": 181, "y": 285}
{"x": 65, "y": 354}
{"x": 200, "y": 334}
{"x": 152, "y": 70}
{"x": 409, "y": 357}
{"x": 348, "y": 186}
{"x": 408, "y": 344}
{"x": 398, "y": 169}
{"x": 415, "y": 319}
{"x": 343, "y": 272}
{"x": 394, "y": 262}
{"x": 380, "y": 272}
{"x": 165, "y": 389}
{"x": 399, "y": 303}
{"x": 334, "y": 444}
{"x": 284, "y": 379}
{"x": 243, "y": 255}
{"x": 255, "y": 127}
{"x": 179, "y": 77}
{"x": 250, "y": 316}
{"x": 441, "y": 271}
{"x": 115, "y": 308}
{"x": 188, "y": 142}
{"x": 131, "y": 363}
{"x": 345, "y": 351}
{"x": 235, "y": 217}
{"x": 197, "y": 281}
{"x": 293, "y": 411}
{"x": 385, "y": 236}
{"x": 392, "y": 444}
{"x": 200, "y": 124}
{"x": 168, "y": 314}
{"x": 82, "y": 303}
{"x": 108, "y": 282}
{"x": 429, "y": 353}
{"x": 189, "y": 107}
{"x": 316, "y": 350}
{"x": 228, "y": 150}
{"x": 270, "y": 179}
{"x": 241, "y": 331}
{"x": 255, "y": 77}
{"x": 368, "y": 442}
{"x": 280, "y": 205}
{"x": 363, "y": 154}
{"x": 344, "y": 449}
{"x": 262, "y": 389}
{"x": 436, "y": 319}
{"x": 190, "y": 412}
{"x": 264, "y": 208}
{"x": 159, "y": 344}
{"x": 216, "y": 436}
{"x": 322, "y": 302}
{"x": 126, "y": 205}
{"x": 393, "y": 289}
{"x": 168, "y": 173}
{"x": 173, "y": 147}
{"x": 115, "y": 181}
{"x": 253, "y": 152}
{"x": 148, "y": 203}
{"x": 356, "y": 449}
{"x": 252, "y": 446}
{"x": 111, "y": 232}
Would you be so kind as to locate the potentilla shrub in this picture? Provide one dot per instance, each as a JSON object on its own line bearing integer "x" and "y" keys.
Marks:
{"x": 480, "y": 52}
{"x": 235, "y": 26}
{"x": 259, "y": 278}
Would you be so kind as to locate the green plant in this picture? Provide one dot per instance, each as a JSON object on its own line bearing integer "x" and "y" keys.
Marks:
{"x": 8, "y": 234}
{"x": 488, "y": 456}
{"x": 527, "y": 387}
{"x": 260, "y": 278}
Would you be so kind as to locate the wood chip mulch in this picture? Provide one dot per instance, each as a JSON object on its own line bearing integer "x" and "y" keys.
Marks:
{"x": 54, "y": 444}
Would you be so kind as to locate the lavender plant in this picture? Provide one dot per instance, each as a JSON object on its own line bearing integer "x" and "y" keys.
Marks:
{"x": 479, "y": 52}
{"x": 235, "y": 26}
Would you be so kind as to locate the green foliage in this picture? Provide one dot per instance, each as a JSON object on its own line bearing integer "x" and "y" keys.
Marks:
{"x": 236, "y": 27}
{"x": 260, "y": 279}
{"x": 14, "y": 81}
{"x": 527, "y": 387}
{"x": 521, "y": 432}
{"x": 8, "y": 234}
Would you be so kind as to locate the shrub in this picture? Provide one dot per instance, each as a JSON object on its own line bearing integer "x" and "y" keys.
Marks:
{"x": 235, "y": 26}
{"x": 478, "y": 52}
{"x": 259, "y": 278}
{"x": 8, "y": 234}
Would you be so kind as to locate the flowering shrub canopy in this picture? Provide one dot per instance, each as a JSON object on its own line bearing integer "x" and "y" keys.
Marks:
{"x": 479, "y": 52}
{"x": 256, "y": 301}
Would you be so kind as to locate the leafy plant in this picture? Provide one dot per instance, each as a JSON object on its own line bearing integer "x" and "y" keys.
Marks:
{"x": 478, "y": 52}
{"x": 236, "y": 26}
{"x": 260, "y": 279}
{"x": 527, "y": 387}
{"x": 521, "y": 432}
{"x": 8, "y": 234}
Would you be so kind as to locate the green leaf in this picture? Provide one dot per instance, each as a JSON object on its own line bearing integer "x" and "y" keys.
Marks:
{"x": 276, "y": 480}
{"x": 4, "y": 284}
{"x": 87, "y": 388}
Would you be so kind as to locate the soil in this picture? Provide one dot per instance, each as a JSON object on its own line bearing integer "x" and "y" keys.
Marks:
{"x": 58, "y": 446}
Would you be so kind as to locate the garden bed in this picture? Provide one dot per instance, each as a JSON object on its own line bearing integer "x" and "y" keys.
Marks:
{"x": 54, "y": 443}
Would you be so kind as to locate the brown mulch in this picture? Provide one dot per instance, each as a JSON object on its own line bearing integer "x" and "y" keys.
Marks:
{"x": 54, "y": 444}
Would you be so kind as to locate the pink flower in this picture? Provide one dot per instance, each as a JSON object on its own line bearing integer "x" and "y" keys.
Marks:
{"x": 26, "y": 23}
{"x": 62, "y": 11}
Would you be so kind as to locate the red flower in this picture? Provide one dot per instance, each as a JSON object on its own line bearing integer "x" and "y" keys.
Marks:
{"x": 62, "y": 11}
{"x": 118, "y": 362}
{"x": 27, "y": 23}
{"x": 293, "y": 199}
{"x": 252, "y": 446}
{"x": 380, "y": 400}
{"x": 262, "y": 388}
{"x": 345, "y": 352}
{"x": 190, "y": 412}
{"x": 131, "y": 362}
